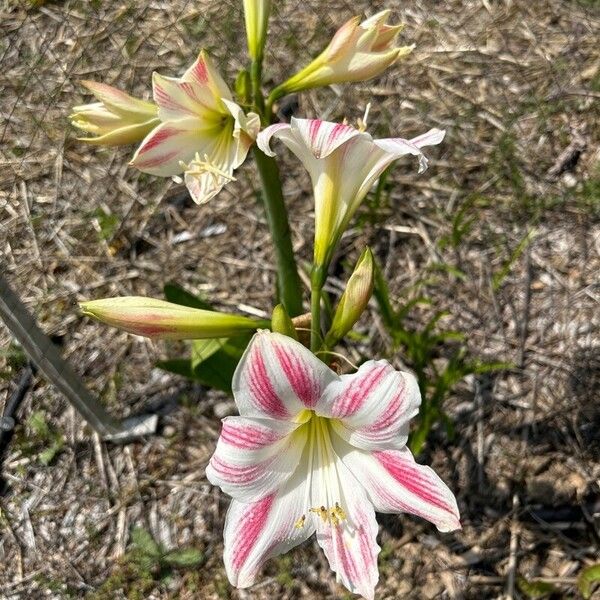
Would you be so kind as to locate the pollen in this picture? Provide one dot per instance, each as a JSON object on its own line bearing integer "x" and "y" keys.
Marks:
{"x": 299, "y": 524}
{"x": 333, "y": 516}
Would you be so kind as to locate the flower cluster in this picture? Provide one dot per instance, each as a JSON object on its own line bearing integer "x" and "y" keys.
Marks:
{"x": 312, "y": 451}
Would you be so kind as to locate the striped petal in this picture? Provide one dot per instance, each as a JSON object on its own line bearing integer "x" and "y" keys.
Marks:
{"x": 350, "y": 545}
{"x": 373, "y": 405}
{"x": 254, "y": 457}
{"x": 395, "y": 483}
{"x": 118, "y": 101}
{"x": 203, "y": 73}
{"x": 261, "y": 530}
{"x": 178, "y": 99}
{"x": 278, "y": 378}
{"x": 170, "y": 144}
{"x": 322, "y": 137}
{"x": 400, "y": 147}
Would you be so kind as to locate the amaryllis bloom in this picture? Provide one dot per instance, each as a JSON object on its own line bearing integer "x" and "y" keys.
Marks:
{"x": 343, "y": 164}
{"x": 117, "y": 118}
{"x": 203, "y": 133}
{"x": 313, "y": 452}
{"x": 357, "y": 52}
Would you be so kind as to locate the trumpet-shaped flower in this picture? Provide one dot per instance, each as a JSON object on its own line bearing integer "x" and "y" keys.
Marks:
{"x": 358, "y": 51}
{"x": 343, "y": 164}
{"x": 117, "y": 118}
{"x": 203, "y": 133}
{"x": 313, "y": 452}
{"x": 165, "y": 320}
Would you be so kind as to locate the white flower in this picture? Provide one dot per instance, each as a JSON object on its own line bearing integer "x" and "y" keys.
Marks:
{"x": 343, "y": 164}
{"x": 313, "y": 452}
{"x": 203, "y": 133}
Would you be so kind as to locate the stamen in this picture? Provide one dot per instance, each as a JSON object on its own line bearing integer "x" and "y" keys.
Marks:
{"x": 362, "y": 123}
{"x": 299, "y": 524}
{"x": 198, "y": 167}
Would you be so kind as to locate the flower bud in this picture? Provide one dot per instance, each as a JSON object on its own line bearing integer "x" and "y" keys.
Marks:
{"x": 354, "y": 300}
{"x": 116, "y": 119}
{"x": 282, "y": 323}
{"x": 164, "y": 320}
{"x": 357, "y": 52}
{"x": 256, "y": 14}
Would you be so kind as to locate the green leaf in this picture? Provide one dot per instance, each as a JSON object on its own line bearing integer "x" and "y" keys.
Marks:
{"x": 381, "y": 291}
{"x": 588, "y": 578}
{"x": 184, "y": 558}
{"x": 501, "y": 275}
{"x": 143, "y": 542}
{"x": 49, "y": 454}
{"x": 175, "y": 293}
{"x": 535, "y": 589}
{"x": 204, "y": 349}
{"x": 211, "y": 366}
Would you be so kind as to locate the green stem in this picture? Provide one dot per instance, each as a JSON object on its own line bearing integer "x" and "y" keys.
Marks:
{"x": 288, "y": 282}
{"x": 256, "y": 79}
{"x": 316, "y": 287}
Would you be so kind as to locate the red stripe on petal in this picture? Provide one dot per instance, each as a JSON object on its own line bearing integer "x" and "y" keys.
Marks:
{"x": 262, "y": 389}
{"x": 247, "y": 437}
{"x": 296, "y": 371}
{"x": 162, "y": 134}
{"x": 200, "y": 72}
{"x": 156, "y": 161}
{"x": 352, "y": 399}
{"x": 250, "y": 527}
{"x": 410, "y": 477}
{"x": 237, "y": 474}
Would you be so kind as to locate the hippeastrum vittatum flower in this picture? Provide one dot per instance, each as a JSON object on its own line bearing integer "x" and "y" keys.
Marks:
{"x": 314, "y": 452}
{"x": 357, "y": 52}
{"x": 165, "y": 320}
{"x": 343, "y": 164}
{"x": 116, "y": 119}
{"x": 203, "y": 133}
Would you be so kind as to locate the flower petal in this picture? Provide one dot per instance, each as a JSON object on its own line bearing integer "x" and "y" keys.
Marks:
{"x": 396, "y": 483}
{"x": 323, "y": 137}
{"x": 400, "y": 147}
{"x": 278, "y": 377}
{"x": 118, "y": 101}
{"x": 178, "y": 99}
{"x": 375, "y": 405}
{"x": 264, "y": 137}
{"x": 254, "y": 457}
{"x": 204, "y": 73}
{"x": 350, "y": 545}
{"x": 258, "y": 531}
{"x": 168, "y": 145}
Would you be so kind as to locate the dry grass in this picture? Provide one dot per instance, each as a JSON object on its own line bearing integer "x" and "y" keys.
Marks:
{"x": 514, "y": 83}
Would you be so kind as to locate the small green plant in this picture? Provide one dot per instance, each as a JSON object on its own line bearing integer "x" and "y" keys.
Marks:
{"x": 588, "y": 579}
{"x": 535, "y": 590}
{"x": 143, "y": 565}
{"x": 43, "y": 436}
{"x": 420, "y": 347}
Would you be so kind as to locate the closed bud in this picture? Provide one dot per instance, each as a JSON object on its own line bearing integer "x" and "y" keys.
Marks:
{"x": 354, "y": 300}
{"x": 256, "y": 15}
{"x": 116, "y": 119}
{"x": 282, "y": 323}
{"x": 165, "y": 320}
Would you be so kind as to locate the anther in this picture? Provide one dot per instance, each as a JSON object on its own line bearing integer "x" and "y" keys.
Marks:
{"x": 299, "y": 524}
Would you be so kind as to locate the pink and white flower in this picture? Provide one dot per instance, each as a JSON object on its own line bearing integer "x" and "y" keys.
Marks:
{"x": 203, "y": 133}
{"x": 343, "y": 163}
{"x": 314, "y": 452}
{"x": 357, "y": 52}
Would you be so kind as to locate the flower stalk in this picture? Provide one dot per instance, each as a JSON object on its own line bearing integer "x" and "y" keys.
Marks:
{"x": 289, "y": 286}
